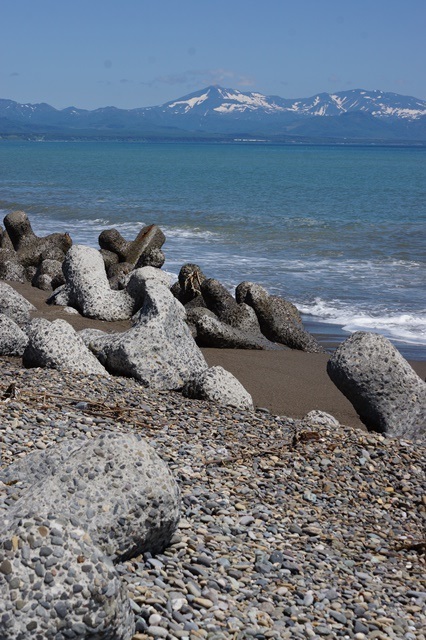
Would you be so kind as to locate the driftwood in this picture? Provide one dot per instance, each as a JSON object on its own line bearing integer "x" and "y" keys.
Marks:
{"x": 45, "y": 400}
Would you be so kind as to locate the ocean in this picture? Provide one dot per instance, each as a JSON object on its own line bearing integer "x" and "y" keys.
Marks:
{"x": 338, "y": 230}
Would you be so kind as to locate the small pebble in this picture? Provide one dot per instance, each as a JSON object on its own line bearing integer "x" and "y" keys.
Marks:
{"x": 299, "y": 542}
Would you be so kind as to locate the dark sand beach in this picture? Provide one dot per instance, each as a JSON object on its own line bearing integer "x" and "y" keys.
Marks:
{"x": 289, "y": 383}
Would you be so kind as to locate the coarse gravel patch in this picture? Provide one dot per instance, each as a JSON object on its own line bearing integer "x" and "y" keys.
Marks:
{"x": 288, "y": 530}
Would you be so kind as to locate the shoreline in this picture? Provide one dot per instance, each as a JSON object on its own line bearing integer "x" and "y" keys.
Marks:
{"x": 286, "y": 383}
{"x": 330, "y": 335}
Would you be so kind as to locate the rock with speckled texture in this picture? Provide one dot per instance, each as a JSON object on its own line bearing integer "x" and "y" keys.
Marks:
{"x": 220, "y": 386}
{"x": 57, "y": 345}
{"x": 12, "y": 339}
{"x": 138, "y": 512}
{"x": 384, "y": 389}
{"x": 13, "y": 305}
{"x": 279, "y": 319}
{"x": 211, "y": 332}
{"x": 56, "y": 583}
{"x": 224, "y": 306}
{"x": 87, "y": 287}
{"x": 158, "y": 350}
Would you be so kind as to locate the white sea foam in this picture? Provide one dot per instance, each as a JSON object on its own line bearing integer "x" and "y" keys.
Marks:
{"x": 85, "y": 231}
{"x": 407, "y": 328}
{"x": 190, "y": 233}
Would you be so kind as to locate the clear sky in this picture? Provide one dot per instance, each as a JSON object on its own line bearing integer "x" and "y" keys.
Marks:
{"x": 136, "y": 53}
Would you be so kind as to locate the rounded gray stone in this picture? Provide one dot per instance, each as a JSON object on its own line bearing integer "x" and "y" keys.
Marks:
{"x": 220, "y": 386}
{"x": 88, "y": 288}
{"x": 81, "y": 589}
{"x": 13, "y": 305}
{"x": 58, "y": 346}
{"x": 115, "y": 486}
{"x": 12, "y": 339}
{"x": 384, "y": 389}
{"x": 158, "y": 350}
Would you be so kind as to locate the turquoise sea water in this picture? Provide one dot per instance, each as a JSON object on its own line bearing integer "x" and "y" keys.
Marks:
{"x": 340, "y": 231}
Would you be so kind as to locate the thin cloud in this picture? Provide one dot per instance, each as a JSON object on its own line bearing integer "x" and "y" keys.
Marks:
{"x": 195, "y": 77}
{"x": 334, "y": 78}
{"x": 14, "y": 74}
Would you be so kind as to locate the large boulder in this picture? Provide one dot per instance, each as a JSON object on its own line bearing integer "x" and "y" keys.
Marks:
{"x": 56, "y": 583}
{"x": 117, "y": 273}
{"x": 149, "y": 239}
{"x": 30, "y": 249}
{"x": 255, "y": 295}
{"x": 220, "y": 386}
{"x": 5, "y": 241}
{"x": 225, "y": 307}
{"x": 152, "y": 258}
{"x": 193, "y": 315}
{"x": 87, "y": 288}
{"x": 143, "y": 251}
{"x": 159, "y": 349}
{"x": 384, "y": 389}
{"x": 138, "y": 513}
{"x": 109, "y": 258}
{"x": 48, "y": 275}
{"x": 39, "y": 464}
{"x": 211, "y": 332}
{"x": 279, "y": 319}
{"x": 123, "y": 276}
{"x": 13, "y": 305}
{"x": 19, "y": 229}
{"x": 188, "y": 286}
{"x": 12, "y": 339}
{"x": 60, "y": 537}
{"x": 57, "y": 345}
{"x": 134, "y": 283}
{"x": 195, "y": 303}
{"x": 96, "y": 339}
{"x": 112, "y": 241}
{"x": 10, "y": 269}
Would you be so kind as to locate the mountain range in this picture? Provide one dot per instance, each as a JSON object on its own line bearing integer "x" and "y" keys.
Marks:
{"x": 228, "y": 114}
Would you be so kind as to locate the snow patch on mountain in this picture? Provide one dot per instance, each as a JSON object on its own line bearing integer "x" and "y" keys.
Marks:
{"x": 397, "y": 112}
{"x": 233, "y": 102}
{"x": 236, "y": 100}
{"x": 190, "y": 103}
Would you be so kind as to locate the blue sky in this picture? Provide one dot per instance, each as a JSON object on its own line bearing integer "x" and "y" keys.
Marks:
{"x": 134, "y": 53}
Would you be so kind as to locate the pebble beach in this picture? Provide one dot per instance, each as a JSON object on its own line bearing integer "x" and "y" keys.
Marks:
{"x": 289, "y": 529}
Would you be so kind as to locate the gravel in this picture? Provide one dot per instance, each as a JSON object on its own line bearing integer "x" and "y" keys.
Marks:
{"x": 288, "y": 529}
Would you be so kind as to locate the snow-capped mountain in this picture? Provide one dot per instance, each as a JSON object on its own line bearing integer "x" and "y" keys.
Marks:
{"x": 215, "y": 111}
{"x": 222, "y": 100}
{"x": 358, "y": 114}
{"x": 231, "y": 101}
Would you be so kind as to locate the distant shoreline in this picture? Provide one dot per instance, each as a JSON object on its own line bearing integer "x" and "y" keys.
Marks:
{"x": 234, "y": 139}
